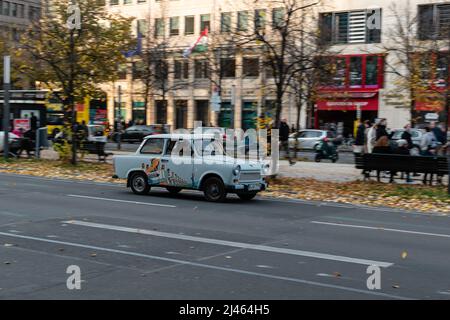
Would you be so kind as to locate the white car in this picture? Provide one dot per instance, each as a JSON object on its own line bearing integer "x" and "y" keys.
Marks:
{"x": 308, "y": 139}
{"x": 11, "y": 137}
{"x": 187, "y": 161}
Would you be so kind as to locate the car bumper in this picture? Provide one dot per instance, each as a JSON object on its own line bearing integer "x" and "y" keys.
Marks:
{"x": 247, "y": 187}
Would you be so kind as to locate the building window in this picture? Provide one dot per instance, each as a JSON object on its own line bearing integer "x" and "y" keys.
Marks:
{"x": 434, "y": 21}
{"x": 127, "y": 1}
{"x": 228, "y": 67}
{"x": 6, "y": 6}
{"x": 201, "y": 69}
{"x": 142, "y": 26}
{"x": 242, "y": 21}
{"x": 161, "y": 70}
{"x": 113, "y": 2}
{"x": 174, "y": 26}
{"x": 138, "y": 70}
{"x": 351, "y": 27}
{"x": 251, "y": 67}
{"x": 159, "y": 27}
{"x": 260, "y": 19}
{"x": 278, "y": 17}
{"x": 181, "y": 70}
{"x": 205, "y": 22}
{"x": 351, "y": 72}
{"x": 122, "y": 72}
{"x": 189, "y": 23}
{"x": 225, "y": 22}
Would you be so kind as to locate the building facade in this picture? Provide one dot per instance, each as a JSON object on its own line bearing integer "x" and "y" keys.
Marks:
{"x": 15, "y": 15}
{"x": 363, "y": 83}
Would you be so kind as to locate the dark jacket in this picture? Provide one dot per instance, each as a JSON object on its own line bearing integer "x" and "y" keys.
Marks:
{"x": 403, "y": 151}
{"x": 440, "y": 136}
{"x": 284, "y": 131}
{"x": 381, "y": 132}
{"x": 408, "y": 137}
{"x": 360, "y": 135}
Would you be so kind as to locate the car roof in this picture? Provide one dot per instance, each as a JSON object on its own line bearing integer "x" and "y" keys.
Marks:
{"x": 180, "y": 136}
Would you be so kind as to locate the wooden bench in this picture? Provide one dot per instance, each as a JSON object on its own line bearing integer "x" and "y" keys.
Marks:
{"x": 426, "y": 165}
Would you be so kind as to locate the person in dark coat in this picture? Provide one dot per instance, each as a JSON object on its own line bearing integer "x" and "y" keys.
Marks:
{"x": 381, "y": 129}
{"x": 284, "y": 140}
{"x": 406, "y": 135}
{"x": 33, "y": 122}
{"x": 382, "y": 146}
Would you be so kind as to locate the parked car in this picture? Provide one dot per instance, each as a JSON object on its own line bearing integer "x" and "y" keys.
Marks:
{"x": 309, "y": 139}
{"x": 417, "y": 135}
{"x": 96, "y": 133}
{"x": 138, "y": 133}
{"x": 160, "y": 162}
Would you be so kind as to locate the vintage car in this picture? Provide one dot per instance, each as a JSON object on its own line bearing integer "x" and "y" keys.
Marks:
{"x": 187, "y": 161}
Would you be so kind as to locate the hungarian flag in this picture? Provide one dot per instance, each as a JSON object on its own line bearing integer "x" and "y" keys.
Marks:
{"x": 199, "y": 46}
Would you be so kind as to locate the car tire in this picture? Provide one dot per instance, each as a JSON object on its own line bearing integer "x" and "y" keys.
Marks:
{"x": 335, "y": 159}
{"x": 214, "y": 190}
{"x": 247, "y": 196}
{"x": 173, "y": 190}
{"x": 139, "y": 184}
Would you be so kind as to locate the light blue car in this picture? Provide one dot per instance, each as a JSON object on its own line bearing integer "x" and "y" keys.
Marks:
{"x": 187, "y": 161}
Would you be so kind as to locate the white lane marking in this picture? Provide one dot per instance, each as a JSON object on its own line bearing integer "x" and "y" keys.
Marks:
{"x": 382, "y": 229}
{"x": 123, "y": 201}
{"x": 232, "y": 244}
{"x": 207, "y": 266}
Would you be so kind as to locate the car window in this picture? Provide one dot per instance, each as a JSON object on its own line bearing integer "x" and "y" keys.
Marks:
{"x": 302, "y": 134}
{"x": 313, "y": 134}
{"x": 415, "y": 134}
{"x": 153, "y": 146}
{"x": 131, "y": 129}
{"x": 177, "y": 148}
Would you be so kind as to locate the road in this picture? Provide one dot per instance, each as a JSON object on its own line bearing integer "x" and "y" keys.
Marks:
{"x": 344, "y": 157}
{"x": 164, "y": 247}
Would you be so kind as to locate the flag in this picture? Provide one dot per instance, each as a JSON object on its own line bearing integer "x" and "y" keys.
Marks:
{"x": 199, "y": 46}
{"x": 136, "y": 50}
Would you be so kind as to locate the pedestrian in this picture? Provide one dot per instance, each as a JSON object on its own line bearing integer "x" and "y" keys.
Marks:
{"x": 371, "y": 137}
{"x": 438, "y": 133}
{"x": 406, "y": 135}
{"x": 33, "y": 122}
{"x": 360, "y": 140}
{"x": 382, "y": 146}
{"x": 428, "y": 143}
{"x": 284, "y": 140}
{"x": 381, "y": 129}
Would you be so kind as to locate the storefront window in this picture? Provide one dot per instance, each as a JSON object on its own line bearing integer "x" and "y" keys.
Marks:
{"x": 372, "y": 71}
{"x": 356, "y": 72}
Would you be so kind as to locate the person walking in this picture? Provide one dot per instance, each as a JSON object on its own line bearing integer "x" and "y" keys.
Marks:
{"x": 371, "y": 138}
{"x": 284, "y": 140}
{"x": 33, "y": 122}
{"x": 360, "y": 140}
{"x": 381, "y": 129}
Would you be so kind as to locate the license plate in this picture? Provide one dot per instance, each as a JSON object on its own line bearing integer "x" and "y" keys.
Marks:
{"x": 254, "y": 187}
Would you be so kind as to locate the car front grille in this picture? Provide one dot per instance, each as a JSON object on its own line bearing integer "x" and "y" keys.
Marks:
{"x": 250, "y": 176}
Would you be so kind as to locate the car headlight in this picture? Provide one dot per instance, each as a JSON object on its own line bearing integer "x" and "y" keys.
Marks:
{"x": 266, "y": 168}
{"x": 237, "y": 170}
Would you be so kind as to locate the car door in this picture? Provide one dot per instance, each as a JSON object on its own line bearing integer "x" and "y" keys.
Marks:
{"x": 301, "y": 140}
{"x": 149, "y": 159}
{"x": 177, "y": 164}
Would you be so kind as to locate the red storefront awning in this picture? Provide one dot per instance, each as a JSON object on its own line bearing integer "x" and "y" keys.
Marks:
{"x": 348, "y": 101}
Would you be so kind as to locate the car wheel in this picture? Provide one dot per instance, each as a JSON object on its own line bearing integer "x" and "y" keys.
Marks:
{"x": 247, "y": 196}
{"x": 335, "y": 159}
{"x": 139, "y": 183}
{"x": 173, "y": 190}
{"x": 214, "y": 190}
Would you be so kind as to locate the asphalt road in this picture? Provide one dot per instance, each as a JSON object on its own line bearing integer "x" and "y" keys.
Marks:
{"x": 164, "y": 247}
{"x": 344, "y": 157}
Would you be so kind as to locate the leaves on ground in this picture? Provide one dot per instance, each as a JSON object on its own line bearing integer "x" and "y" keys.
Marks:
{"x": 408, "y": 197}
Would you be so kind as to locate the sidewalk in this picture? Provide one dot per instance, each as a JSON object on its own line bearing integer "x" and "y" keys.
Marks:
{"x": 324, "y": 171}
{"x": 333, "y": 172}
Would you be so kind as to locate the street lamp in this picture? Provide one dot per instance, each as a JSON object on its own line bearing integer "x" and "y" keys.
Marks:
{"x": 119, "y": 124}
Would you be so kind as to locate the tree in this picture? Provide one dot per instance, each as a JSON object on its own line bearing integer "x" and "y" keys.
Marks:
{"x": 279, "y": 43}
{"x": 63, "y": 57}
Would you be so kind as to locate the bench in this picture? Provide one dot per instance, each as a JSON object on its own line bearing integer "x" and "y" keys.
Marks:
{"x": 97, "y": 148}
{"x": 427, "y": 165}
